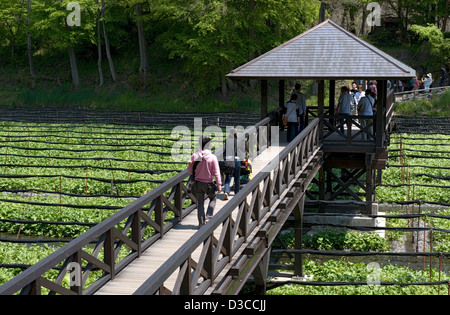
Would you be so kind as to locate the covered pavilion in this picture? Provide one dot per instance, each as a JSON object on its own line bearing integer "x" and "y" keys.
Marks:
{"x": 324, "y": 52}
{"x": 329, "y": 52}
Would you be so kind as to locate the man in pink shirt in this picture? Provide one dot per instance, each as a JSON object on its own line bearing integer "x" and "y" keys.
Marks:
{"x": 205, "y": 167}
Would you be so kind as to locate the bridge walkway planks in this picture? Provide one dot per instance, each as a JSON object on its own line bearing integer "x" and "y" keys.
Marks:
{"x": 133, "y": 276}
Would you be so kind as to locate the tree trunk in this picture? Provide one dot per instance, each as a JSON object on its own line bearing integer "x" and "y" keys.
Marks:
{"x": 444, "y": 22}
{"x": 13, "y": 43}
{"x": 107, "y": 47}
{"x": 322, "y": 11}
{"x": 99, "y": 61}
{"x": 224, "y": 87}
{"x": 74, "y": 68}
{"x": 363, "y": 22}
{"x": 143, "y": 68}
{"x": 30, "y": 54}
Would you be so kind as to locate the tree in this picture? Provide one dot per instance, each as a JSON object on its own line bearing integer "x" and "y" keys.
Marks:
{"x": 12, "y": 24}
{"x": 51, "y": 23}
{"x": 440, "y": 46}
{"x": 101, "y": 25}
{"x": 212, "y": 37}
{"x": 29, "y": 49}
{"x": 99, "y": 49}
{"x": 143, "y": 67}
{"x": 411, "y": 12}
{"x": 443, "y": 11}
{"x": 138, "y": 13}
{"x": 112, "y": 68}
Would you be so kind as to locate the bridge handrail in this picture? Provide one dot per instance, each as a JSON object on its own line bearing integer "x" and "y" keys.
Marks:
{"x": 367, "y": 133}
{"x": 110, "y": 239}
{"x": 389, "y": 110}
{"x": 422, "y": 90}
{"x": 234, "y": 233}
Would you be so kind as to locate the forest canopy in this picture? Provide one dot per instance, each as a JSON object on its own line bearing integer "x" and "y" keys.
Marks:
{"x": 211, "y": 37}
{"x": 206, "y": 38}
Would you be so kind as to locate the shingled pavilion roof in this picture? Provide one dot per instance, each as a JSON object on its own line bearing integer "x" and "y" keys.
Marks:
{"x": 326, "y": 51}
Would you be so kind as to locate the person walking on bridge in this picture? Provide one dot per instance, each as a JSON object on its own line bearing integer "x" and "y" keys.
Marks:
{"x": 301, "y": 105}
{"x": 292, "y": 110}
{"x": 234, "y": 154}
{"x": 343, "y": 107}
{"x": 365, "y": 108}
{"x": 204, "y": 167}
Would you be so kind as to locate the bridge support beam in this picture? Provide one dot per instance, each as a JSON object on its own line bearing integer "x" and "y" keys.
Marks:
{"x": 343, "y": 175}
{"x": 298, "y": 230}
{"x": 260, "y": 274}
{"x": 264, "y": 98}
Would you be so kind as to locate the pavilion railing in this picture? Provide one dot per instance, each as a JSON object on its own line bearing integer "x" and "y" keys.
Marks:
{"x": 337, "y": 127}
{"x": 352, "y": 123}
{"x": 111, "y": 245}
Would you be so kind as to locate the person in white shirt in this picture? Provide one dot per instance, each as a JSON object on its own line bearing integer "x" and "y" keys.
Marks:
{"x": 360, "y": 93}
{"x": 292, "y": 112}
{"x": 365, "y": 108}
{"x": 427, "y": 80}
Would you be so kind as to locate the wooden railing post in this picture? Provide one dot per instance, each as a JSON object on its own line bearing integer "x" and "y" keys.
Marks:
{"x": 209, "y": 260}
{"x": 109, "y": 252}
{"x": 136, "y": 232}
{"x": 159, "y": 216}
{"x": 257, "y": 207}
{"x": 243, "y": 223}
{"x": 179, "y": 201}
{"x": 381, "y": 107}
{"x": 77, "y": 281}
{"x": 348, "y": 122}
{"x": 228, "y": 240}
{"x": 186, "y": 288}
{"x": 35, "y": 287}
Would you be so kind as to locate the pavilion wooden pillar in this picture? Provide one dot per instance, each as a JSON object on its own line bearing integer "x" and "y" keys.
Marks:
{"x": 264, "y": 98}
{"x": 379, "y": 116}
{"x": 281, "y": 88}
{"x": 332, "y": 93}
{"x": 321, "y": 106}
{"x": 298, "y": 228}
{"x": 320, "y": 113}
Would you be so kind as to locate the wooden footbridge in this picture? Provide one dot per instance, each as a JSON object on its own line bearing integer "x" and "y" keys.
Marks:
{"x": 174, "y": 256}
{"x": 153, "y": 245}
